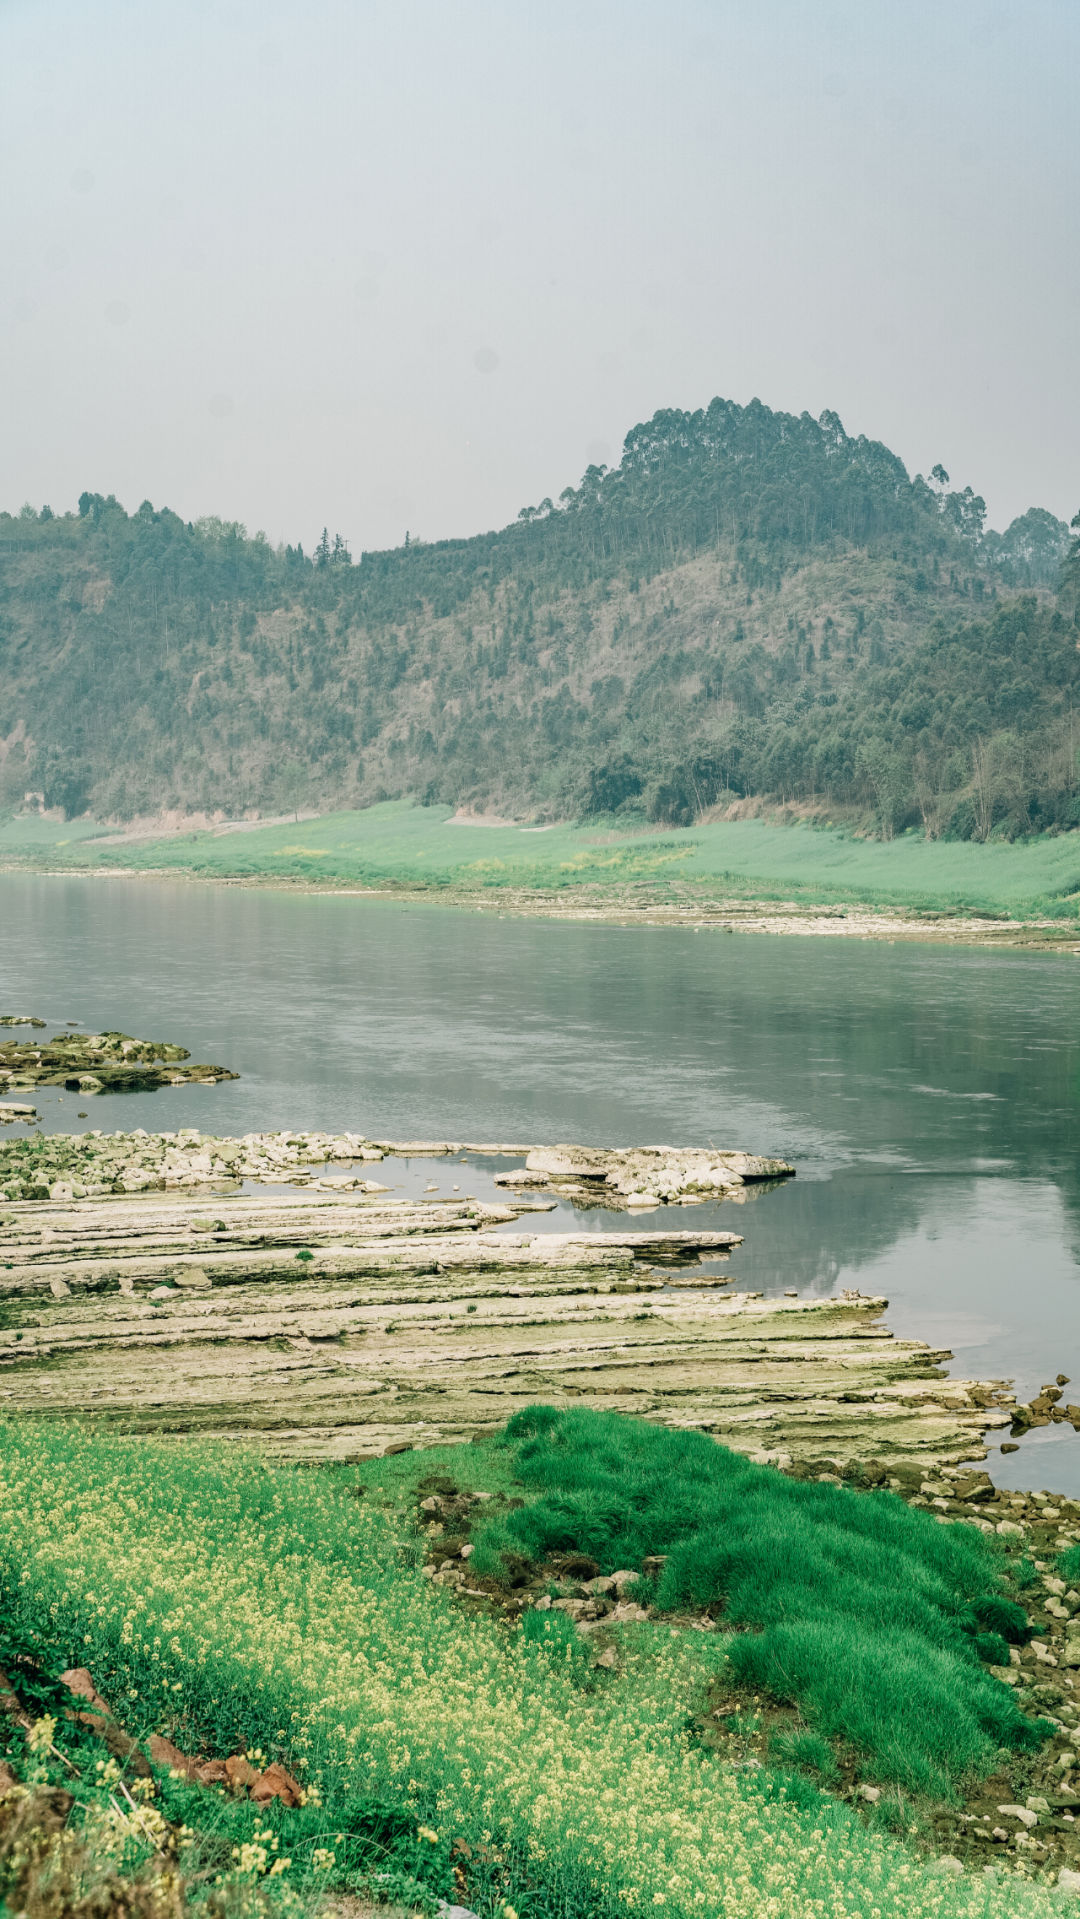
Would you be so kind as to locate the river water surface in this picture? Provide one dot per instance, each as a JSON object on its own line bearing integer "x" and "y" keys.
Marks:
{"x": 929, "y": 1097}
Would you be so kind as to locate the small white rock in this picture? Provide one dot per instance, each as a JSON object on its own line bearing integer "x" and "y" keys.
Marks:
{"x": 1025, "y": 1816}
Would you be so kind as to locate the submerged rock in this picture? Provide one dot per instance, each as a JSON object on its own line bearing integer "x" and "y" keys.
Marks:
{"x": 91, "y": 1063}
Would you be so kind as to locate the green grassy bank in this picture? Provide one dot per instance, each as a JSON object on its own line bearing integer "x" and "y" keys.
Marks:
{"x": 231, "y": 1604}
{"x": 398, "y": 845}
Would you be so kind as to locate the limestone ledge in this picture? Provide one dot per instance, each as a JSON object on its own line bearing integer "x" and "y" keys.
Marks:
{"x": 643, "y": 1176}
{"x": 338, "y": 1326}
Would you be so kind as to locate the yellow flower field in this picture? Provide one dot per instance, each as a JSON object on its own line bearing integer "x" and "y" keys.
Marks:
{"x": 211, "y": 1585}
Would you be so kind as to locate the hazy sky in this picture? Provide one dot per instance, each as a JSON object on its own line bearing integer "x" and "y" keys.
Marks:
{"x": 414, "y": 265}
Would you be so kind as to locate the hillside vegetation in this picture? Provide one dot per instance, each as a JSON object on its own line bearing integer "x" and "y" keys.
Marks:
{"x": 752, "y": 605}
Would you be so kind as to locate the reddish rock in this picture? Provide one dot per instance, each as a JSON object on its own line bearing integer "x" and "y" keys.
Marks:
{"x": 239, "y": 1771}
{"x": 78, "y": 1681}
{"x": 98, "y": 1716}
{"x": 9, "y": 1699}
{"x": 276, "y": 1783}
{"x": 164, "y": 1753}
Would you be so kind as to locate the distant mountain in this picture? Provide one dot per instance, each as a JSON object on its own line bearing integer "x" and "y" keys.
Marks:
{"x": 750, "y": 606}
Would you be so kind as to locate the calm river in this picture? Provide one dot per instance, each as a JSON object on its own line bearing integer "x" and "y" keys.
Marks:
{"x": 930, "y": 1099}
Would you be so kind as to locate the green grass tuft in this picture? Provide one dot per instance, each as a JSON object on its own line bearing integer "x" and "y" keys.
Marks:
{"x": 865, "y": 1613}
{"x": 806, "y": 1750}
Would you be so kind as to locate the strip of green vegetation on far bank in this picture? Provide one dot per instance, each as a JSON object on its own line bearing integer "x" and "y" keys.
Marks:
{"x": 409, "y": 847}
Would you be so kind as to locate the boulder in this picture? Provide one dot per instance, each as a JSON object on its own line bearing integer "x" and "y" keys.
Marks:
{"x": 626, "y": 1613}
{"x": 77, "y": 1680}
{"x": 97, "y": 1716}
{"x": 9, "y": 1700}
{"x": 192, "y": 1279}
{"x": 276, "y": 1783}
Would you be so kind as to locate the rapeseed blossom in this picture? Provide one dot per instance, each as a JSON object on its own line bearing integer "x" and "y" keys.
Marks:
{"x": 178, "y": 1566}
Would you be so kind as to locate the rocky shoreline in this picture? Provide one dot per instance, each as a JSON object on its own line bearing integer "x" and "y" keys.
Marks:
{"x": 139, "y": 1284}
{"x": 634, "y": 904}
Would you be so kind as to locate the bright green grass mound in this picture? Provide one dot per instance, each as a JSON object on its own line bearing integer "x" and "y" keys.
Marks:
{"x": 869, "y": 1615}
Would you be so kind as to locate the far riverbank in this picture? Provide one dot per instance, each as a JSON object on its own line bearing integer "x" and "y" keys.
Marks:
{"x": 739, "y": 875}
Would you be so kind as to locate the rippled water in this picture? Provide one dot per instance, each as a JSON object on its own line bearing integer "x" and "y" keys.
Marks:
{"x": 930, "y": 1098}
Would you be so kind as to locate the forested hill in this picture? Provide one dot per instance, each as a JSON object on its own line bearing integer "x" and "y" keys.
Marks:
{"x": 750, "y": 604}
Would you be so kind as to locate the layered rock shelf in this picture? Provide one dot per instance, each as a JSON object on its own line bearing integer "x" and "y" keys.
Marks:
{"x": 344, "y": 1324}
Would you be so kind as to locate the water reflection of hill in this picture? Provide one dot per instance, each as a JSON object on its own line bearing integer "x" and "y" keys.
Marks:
{"x": 816, "y": 1234}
